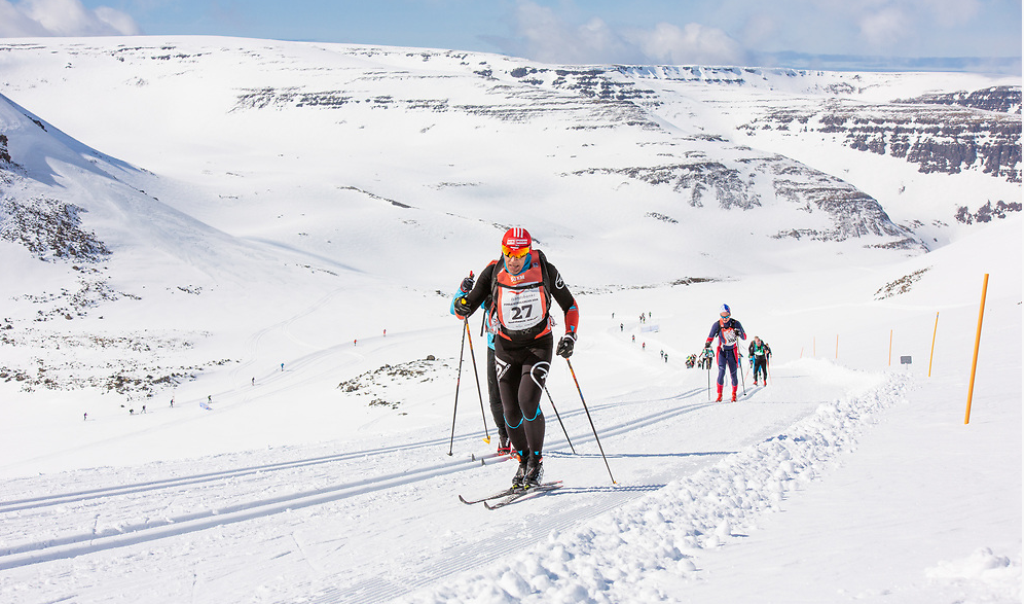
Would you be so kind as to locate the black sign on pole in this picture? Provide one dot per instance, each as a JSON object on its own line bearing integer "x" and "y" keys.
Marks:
{"x": 906, "y": 360}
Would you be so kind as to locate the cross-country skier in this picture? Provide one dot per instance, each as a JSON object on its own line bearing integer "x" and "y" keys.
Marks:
{"x": 729, "y": 332}
{"x": 760, "y": 353}
{"x": 493, "y": 394}
{"x": 521, "y": 284}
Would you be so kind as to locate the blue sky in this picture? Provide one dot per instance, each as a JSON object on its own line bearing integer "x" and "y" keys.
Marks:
{"x": 979, "y": 35}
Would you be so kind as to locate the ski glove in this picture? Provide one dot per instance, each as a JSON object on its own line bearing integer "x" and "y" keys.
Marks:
{"x": 462, "y": 308}
{"x": 467, "y": 285}
{"x": 565, "y": 346}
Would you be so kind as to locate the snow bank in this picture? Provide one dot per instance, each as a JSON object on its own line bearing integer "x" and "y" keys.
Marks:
{"x": 991, "y": 577}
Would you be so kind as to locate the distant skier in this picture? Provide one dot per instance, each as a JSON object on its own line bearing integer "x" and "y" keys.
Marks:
{"x": 759, "y": 354}
{"x": 522, "y": 284}
{"x": 706, "y": 359}
{"x": 729, "y": 332}
{"x": 493, "y": 394}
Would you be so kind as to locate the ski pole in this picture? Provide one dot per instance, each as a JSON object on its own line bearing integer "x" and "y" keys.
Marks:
{"x": 707, "y": 361}
{"x": 739, "y": 362}
{"x": 600, "y": 448}
{"x": 476, "y": 374}
{"x": 559, "y": 419}
{"x": 458, "y": 382}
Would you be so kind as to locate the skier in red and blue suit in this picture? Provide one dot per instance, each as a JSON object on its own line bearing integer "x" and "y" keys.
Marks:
{"x": 729, "y": 332}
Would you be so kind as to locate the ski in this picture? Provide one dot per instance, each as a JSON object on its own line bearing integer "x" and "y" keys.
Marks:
{"x": 484, "y": 459}
{"x": 521, "y": 493}
{"x": 505, "y": 493}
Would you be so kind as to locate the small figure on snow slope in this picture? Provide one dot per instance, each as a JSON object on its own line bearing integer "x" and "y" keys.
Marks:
{"x": 522, "y": 284}
{"x": 729, "y": 332}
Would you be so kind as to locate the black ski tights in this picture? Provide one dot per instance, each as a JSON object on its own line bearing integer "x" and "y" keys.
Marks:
{"x": 522, "y": 372}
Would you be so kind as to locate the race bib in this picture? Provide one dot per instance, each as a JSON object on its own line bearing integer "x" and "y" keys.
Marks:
{"x": 521, "y": 309}
{"x": 729, "y": 336}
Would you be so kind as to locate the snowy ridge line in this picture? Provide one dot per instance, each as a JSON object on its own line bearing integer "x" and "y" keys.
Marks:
{"x": 474, "y": 555}
{"x": 76, "y": 496}
{"x": 83, "y": 543}
{"x": 669, "y": 528}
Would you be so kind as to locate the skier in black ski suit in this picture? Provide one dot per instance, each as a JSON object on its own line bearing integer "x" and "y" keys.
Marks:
{"x": 760, "y": 353}
{"x": 521, "y": 284}
{"x": 729, "y": 332}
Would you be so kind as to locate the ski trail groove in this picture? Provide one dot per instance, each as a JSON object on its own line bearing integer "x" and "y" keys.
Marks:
{"x": 72, "y": 545}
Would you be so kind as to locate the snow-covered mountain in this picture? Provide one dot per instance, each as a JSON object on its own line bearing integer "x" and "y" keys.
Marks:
{"x": 669, "y": 144}
{"x": 274, "y": 229}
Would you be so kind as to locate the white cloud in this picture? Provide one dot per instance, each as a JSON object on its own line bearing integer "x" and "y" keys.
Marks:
{"x": 693, "y": 44}
{"x": 898, "y": 25}
{"x": 15, "y": 23}
{"x": 29, "y": 18}
{"x": 885, "y": 27}
{"x": 540, "y": 34}
{"x": 543, "y": 36}
{"x": 121, "y": 22}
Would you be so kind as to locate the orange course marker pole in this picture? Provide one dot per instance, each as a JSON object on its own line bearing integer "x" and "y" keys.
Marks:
{"x": 977, "y": 345}
{"x": 932, "y": 355}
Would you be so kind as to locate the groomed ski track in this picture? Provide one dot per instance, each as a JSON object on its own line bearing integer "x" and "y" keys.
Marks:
{"x": 147, "y": 499}
{"x": 301, "y": 512}
{"x": 166, "y": 512}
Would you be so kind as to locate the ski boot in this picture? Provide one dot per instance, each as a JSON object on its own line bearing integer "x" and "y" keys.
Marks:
{"x": 520, "y": 478}
{"x": 534, "y": 472}
{"x": 734, "y": 394}
{"x": 504, "y": 446}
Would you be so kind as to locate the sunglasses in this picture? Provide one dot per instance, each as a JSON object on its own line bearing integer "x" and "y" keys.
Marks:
{"x": 519, "y": 253}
